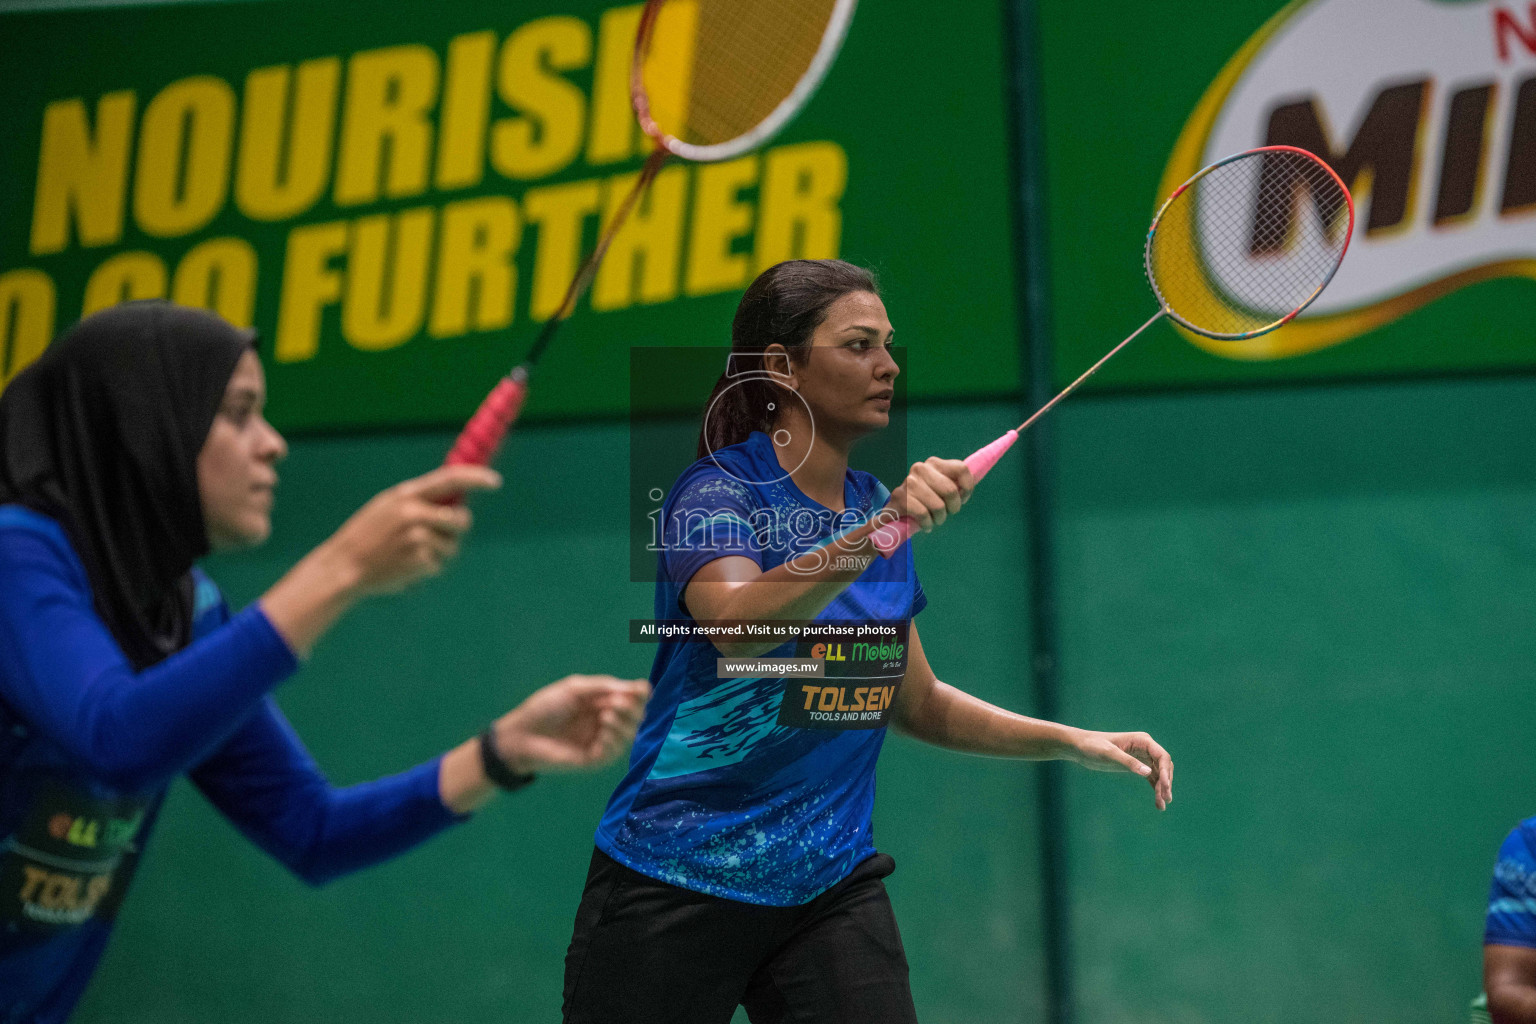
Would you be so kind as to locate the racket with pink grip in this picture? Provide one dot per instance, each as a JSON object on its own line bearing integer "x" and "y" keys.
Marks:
{"x": 980, "y": 462}
{"x": 1235, "y": 223}
{"x": 738, "y": 56}
{"x": 482, "y": 435}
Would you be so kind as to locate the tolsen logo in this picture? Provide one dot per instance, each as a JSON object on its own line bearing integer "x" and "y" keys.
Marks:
{"x": 69, "y": 861}
{"x": 870, "y": 700}
{"x": 860, "y": 682}
{"x": 61, "y": 898}
{"x": 1432, "y": 125}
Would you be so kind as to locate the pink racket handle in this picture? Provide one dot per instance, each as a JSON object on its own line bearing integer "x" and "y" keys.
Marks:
{"x": 980, "y": 462}
{"x": 483, "y": 433}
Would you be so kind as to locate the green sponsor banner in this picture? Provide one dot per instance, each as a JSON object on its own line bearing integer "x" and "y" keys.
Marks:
{"x": 1427, "y": 108}
{"x": 396, "y": 196}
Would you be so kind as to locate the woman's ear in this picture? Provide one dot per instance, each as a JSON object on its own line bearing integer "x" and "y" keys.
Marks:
{"x": 780, "y": 366}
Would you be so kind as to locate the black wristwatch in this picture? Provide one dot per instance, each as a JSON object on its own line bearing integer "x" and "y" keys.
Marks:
{"x": 495, "y": 768}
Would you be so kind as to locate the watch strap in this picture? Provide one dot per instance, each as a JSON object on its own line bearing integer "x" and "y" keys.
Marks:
{"x": 495, "y": 768}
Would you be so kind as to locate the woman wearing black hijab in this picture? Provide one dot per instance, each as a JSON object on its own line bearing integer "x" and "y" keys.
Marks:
{"x": 130, "y": 449}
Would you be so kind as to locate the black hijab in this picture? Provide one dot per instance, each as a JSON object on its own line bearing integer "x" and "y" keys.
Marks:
{"x": 102, "y": 433}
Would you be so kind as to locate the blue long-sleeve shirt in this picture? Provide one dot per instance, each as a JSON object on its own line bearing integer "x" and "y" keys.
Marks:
{"x": 88, "y": 748}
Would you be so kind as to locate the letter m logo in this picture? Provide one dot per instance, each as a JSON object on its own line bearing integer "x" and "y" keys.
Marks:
{"x": 1381, "y": 156}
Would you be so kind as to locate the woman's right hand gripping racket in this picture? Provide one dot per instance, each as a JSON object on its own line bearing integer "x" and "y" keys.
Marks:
{"x": 1237, "y": 251}
{"x": 711, "y": 80}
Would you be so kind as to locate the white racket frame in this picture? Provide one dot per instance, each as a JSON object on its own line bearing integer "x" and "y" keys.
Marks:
{"x": 799, "y": 96}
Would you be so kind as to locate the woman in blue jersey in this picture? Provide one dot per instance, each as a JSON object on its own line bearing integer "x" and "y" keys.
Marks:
{"x": 133, "y": 446}
{"x": 735, "y": 863}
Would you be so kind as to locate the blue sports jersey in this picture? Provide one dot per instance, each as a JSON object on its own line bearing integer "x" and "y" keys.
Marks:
{"x": 1512, "y": 896}
{"x": 761, "y": 789}
{"x": 88, "y": 748}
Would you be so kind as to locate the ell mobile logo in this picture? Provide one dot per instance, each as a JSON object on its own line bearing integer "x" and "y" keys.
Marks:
{"x": 1426, "y": 109}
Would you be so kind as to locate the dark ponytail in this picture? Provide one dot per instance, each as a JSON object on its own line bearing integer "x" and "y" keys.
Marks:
{"x": 784, "y": 306}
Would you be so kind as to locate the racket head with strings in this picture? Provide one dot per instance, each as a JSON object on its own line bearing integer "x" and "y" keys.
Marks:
{"x": 1246, "y": 244}
{"x": 713, "y": 79}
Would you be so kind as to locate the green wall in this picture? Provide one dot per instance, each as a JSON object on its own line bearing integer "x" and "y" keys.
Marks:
{"x": 1320, "y": 600}
{"x": 1316, "y": 598}
{"x": 474, "y": 925}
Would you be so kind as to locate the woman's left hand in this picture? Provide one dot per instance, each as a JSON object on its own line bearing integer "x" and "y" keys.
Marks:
{"x": 577, "y": 722}
{"x": 1128, "y": 752}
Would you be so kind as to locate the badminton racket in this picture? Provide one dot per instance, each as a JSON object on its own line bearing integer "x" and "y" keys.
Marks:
{"x": 1236, "y": 251}
{"x": 711, "y": 80}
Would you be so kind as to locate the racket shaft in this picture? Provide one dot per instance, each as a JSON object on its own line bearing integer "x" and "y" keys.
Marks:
{"x": 1048, "y": 406}
{"x": 482, "y": 435}
{"x": 588, "y": 270}
{"x": 980, "y": 462}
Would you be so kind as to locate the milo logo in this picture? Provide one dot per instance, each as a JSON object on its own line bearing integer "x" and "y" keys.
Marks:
{"x": 1432, "y": 125}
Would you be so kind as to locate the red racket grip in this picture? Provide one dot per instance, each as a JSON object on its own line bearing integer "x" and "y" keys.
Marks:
{"x": 980, "y": 462}
{"x": 483, "y": 433}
